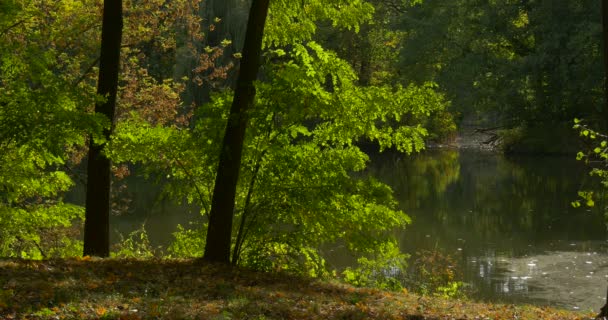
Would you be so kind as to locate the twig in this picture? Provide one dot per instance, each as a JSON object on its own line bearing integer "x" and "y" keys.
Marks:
{"x": 198, "y": 190}
{"x": 79, "y": 80}
{"x": 20, "y": 239}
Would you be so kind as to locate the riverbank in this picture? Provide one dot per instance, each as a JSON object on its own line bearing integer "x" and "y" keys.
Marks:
{"x": 543, "y": 139}
{"x": 183, "y": 289}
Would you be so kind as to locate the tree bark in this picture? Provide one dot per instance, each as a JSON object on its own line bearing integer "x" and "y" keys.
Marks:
{"x": 219, "y": 232}
{"x": 605, "y": 42}
{"x": 97, "y": 211}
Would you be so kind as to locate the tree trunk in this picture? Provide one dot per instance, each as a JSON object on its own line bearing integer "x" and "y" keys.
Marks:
{"x": 605, "y": 42}
{"x": 365, "y": 70}
{"x": 219, "y": 233}
{"x": 97, "y": 212}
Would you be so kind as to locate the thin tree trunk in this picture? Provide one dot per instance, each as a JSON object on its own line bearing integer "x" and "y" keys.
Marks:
{"x": 219, "y": 233}
{"x": 97, "y": 212}
{"x": 240, "y": 236}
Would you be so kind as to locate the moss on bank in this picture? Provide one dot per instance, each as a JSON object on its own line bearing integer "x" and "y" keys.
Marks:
{"x": 187, "y": 289}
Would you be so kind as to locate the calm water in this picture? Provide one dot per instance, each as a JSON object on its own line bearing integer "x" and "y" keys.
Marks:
{"x": 508, "y": 221}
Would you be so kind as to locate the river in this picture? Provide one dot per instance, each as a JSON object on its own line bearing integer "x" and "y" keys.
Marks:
{"x": 507, "y": 221}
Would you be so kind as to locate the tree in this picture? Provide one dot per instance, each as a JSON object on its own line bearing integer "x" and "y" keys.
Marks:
{"x": 300, "y": 184}
{"x": 219, "y": 234}
{"x": 44, "y": 120}
{"x": 97, "y": 211}
{"x": 605, "y": 56}
{"x": 48, "y": 53}
{"x": 526, "y": 63}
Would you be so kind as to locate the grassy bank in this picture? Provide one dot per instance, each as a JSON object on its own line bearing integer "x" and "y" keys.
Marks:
{"x": 183, "y": 289}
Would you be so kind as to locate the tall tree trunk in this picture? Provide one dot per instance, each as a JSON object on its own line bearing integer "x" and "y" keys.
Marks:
{"x": 604, "y": 310}
{"x": 605, "y": 41}
{"x": 219, "y": 233}
{"x": 97, "y": 212}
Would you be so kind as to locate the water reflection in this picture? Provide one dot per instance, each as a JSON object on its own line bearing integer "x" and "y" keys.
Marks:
{"x": 509, "y": 221}
{"x": 145, "y": 206}
{"x": 571, "y": 279}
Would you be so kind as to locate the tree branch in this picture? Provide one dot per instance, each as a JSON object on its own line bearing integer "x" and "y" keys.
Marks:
{"x": 79, "y": 80}
{"x": 14, "y": 25}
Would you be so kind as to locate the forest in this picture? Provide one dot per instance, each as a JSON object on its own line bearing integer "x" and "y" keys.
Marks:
{"x": 310, "y": 140}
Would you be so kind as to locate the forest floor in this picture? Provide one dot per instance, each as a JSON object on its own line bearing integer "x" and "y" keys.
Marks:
{"x": 186, "y": 289}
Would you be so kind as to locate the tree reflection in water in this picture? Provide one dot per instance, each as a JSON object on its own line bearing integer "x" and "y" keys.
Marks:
{"x": 508, "y": 219}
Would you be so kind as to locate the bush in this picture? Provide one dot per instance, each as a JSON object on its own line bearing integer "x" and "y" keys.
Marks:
{"x": 435, "y": 273}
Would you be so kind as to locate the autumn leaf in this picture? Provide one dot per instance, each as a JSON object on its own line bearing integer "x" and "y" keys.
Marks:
{"x": 100, "y": 311}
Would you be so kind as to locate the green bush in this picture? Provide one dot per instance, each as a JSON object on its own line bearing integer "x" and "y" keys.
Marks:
{"x": 135, "y": 245}
{"x": 384, "y": 269}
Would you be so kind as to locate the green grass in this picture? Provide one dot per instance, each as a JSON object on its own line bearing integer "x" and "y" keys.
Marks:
{"x": 188, "y": 289}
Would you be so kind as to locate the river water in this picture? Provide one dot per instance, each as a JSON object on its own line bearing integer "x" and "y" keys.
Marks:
{"x": 507, "y": 221}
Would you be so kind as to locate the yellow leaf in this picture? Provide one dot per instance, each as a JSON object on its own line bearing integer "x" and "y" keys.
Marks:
{"x": 100, "y": 311}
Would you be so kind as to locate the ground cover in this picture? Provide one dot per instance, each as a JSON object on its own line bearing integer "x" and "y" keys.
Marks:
{"x": 188, "y": 289}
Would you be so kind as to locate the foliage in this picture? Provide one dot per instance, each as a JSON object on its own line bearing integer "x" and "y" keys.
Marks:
{"x": 302, "y": 182}
{"x": 373, "y": 52}
{"x": 43, "y": 124}
{"x": 135, "y": 245}
{"x": 39, "y": 231}
{"x": 188, "y": 242}
{"x": 296, "y": 22}
{"x": 48, "y": 53}
{"x": 385, "y": 269}
{"x": 595, "y": 156}
{"x": 522, "y": 62}
{"x": 297, "y": 189}
{"x": 435, "y": 273}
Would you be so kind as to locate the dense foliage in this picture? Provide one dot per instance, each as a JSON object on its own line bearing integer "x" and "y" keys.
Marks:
{"x": 302, "y": 182}
{"x": 297, "y": 189}
{"x": 44, "y": 121}
{"x": 338, "y": 78}
{"x": 529, "y": 65}
{"x": 49, "y": 52}
{"x": 548, "y": 52}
